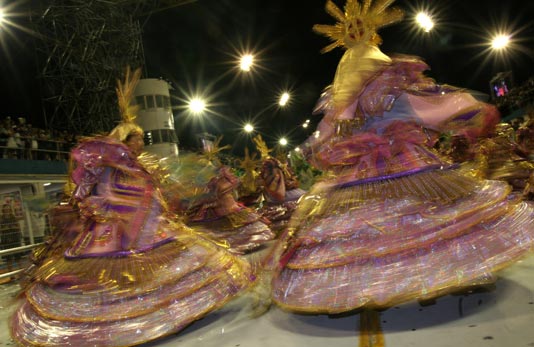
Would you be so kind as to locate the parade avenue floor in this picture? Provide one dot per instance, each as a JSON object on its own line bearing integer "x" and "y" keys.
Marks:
{"x": 502, "y": 315}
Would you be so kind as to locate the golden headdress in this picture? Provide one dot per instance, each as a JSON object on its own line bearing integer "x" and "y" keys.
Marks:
{"x": 262, "y": 147}
{"x": 249, "y": 165}
{"x": 125, "y": 91}
{"x": 210, "y": 154}
{"x": 356, "y": 30}
{"x": 359, "y": 22}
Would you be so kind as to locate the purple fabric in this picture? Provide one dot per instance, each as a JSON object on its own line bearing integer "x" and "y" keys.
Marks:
{"x": 120, "y": 254}
{"x": 396, "y": 175}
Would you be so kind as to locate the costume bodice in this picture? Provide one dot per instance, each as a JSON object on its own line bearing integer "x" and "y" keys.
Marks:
{"x": 119, "y": 200}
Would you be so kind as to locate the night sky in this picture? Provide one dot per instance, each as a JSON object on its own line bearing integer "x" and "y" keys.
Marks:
{"x": 195, "y": 47}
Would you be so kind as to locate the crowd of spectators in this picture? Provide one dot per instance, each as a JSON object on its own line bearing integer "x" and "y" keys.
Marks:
{"x": 519, "y": 97}
{"x": 21, "y": 140}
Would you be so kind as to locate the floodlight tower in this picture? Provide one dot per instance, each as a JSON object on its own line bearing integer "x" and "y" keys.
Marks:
{"x": 155, "y": 117}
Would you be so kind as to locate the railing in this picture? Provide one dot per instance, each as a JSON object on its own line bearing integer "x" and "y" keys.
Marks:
{"x": 17, "y": 238}
{"x": 47, "y": 150}
{"x": 21, "y": 266}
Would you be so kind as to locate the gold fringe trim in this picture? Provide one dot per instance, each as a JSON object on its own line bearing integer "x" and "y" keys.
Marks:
{"x": 109, "y": 273}
{"x": 435, "y": 186}
{"x": 117, "y": 274}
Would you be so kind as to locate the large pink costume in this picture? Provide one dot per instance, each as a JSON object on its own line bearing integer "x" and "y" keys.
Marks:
{"x": 133, "y": 273}
{"x": 395, "y": 221}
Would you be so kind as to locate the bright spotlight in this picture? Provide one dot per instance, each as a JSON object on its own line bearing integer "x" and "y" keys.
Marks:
{"x": 500, "y": 41}
{"x": 197, "y": 105}
{"x": 2, "y": 15}
{"x": 248, "y": 128}
{"x": 297, "y": 149}
{"x": 424, "y": 21}
{"x": 283, "y": 141}
{"x": 284, "y": 99}
{"x": 305, "y": 125}
{"x": 246, "y": 62}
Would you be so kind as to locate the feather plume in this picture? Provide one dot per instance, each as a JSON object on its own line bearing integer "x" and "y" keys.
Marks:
{"x": 125, "y": 90}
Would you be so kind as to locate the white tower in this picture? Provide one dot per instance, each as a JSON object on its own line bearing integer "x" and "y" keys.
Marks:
{"x": 155, "y": 117}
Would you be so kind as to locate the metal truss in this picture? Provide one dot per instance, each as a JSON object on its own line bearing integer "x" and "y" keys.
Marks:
{"x": 84, "y": 46}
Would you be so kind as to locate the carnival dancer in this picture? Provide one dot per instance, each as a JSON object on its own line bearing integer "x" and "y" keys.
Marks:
{"x": 279, "y": 186}
{"x": 133, "y": 272}
{"x": 505, "y": 160}
{"x": 221, "y": 217}
{"x": 525, "y": 135}
{"x": 394, "y": 222}
{"x": 249, "y": 192}
{"x": 207, "y": 191}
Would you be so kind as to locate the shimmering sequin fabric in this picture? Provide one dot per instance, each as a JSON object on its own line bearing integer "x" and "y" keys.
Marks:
{"x": 393, "y": 221}
{"x": 121, "y": 270}
{"x": 219, "y": 216}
